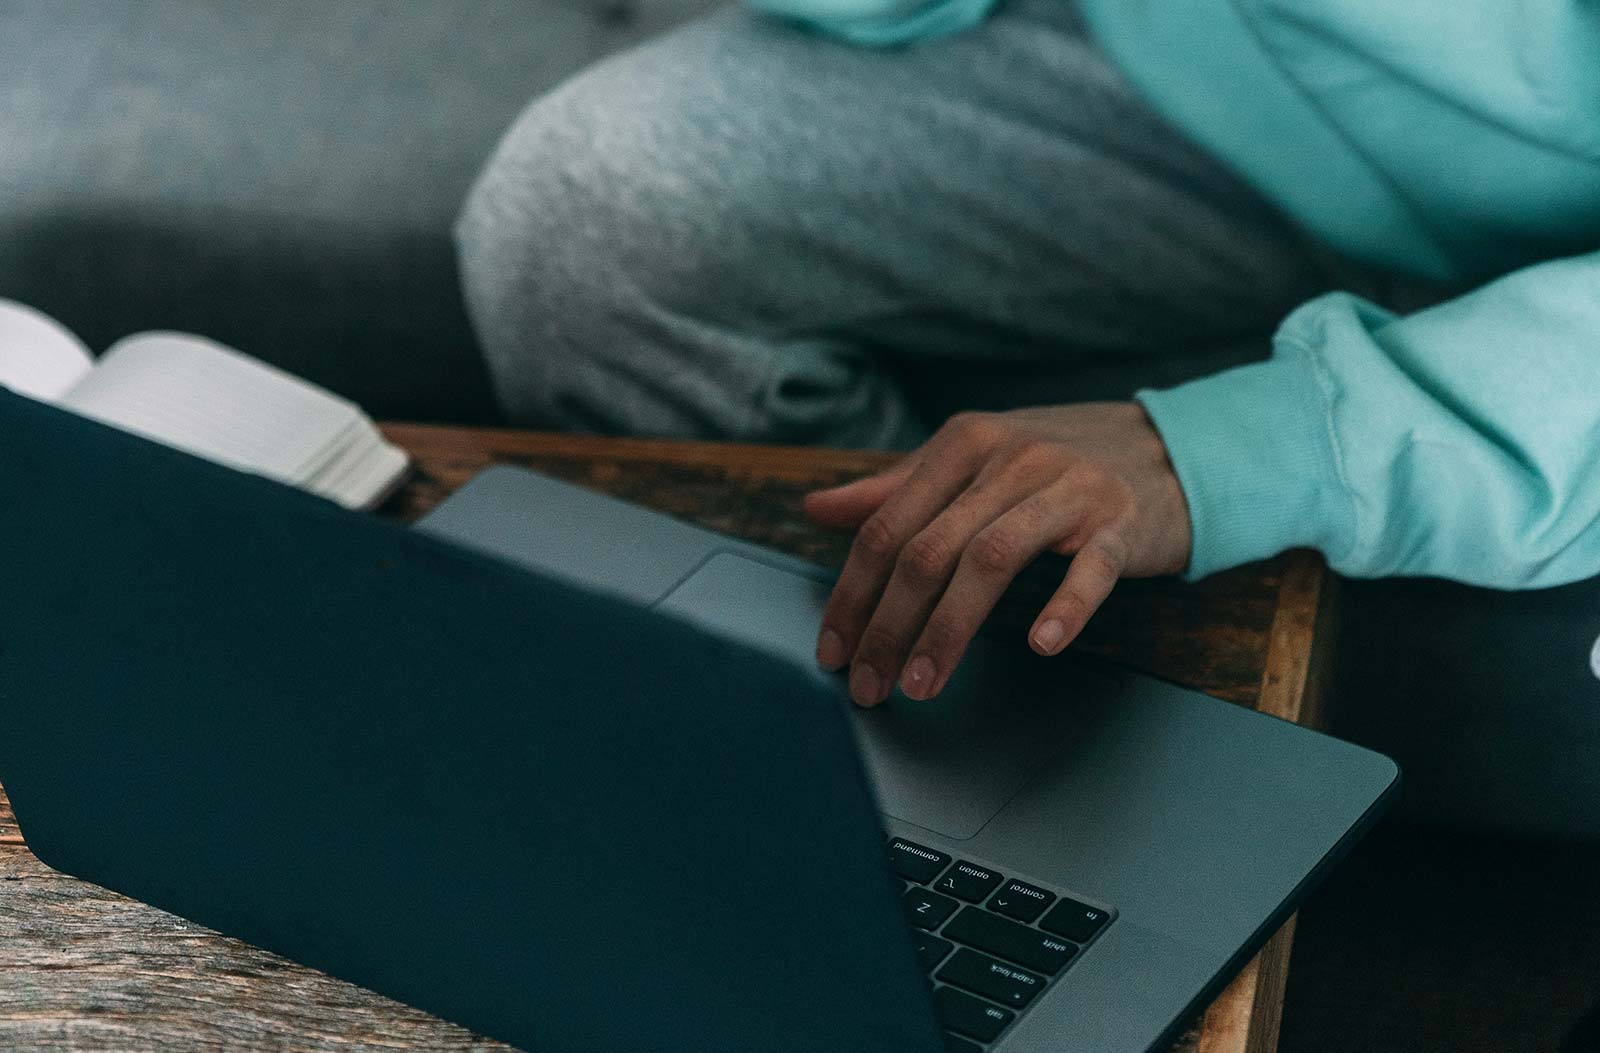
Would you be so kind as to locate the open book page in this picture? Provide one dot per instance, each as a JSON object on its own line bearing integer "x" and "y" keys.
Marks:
{"x": 39, "y": 357}
{"x": 204, "y": 398}
{"x": 367, "y": 466}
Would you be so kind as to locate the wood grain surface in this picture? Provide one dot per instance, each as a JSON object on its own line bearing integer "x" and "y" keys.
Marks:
{"x": 82, "y": 968}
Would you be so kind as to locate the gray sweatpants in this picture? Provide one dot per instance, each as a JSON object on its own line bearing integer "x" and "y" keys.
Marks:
{"x": 743, "y": 230}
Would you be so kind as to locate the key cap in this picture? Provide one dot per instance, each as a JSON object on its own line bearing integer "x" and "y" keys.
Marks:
{"x": 927, "y": 910}
{"x": 992, "y": 978}
{"x": 954, "y": 1043}
{"x": 931, "y": 949}
{"x": 970, "y": 1016}
{"x": 914, "y": 862}
{"x": 1006, "y": 939}
{"x": 1074, "y": 920}
{"x": 1017, "y": 899}
{"x": 969, "y": 881}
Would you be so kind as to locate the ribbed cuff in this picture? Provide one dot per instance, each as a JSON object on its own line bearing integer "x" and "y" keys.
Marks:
{"x": 1254, "y": 453}
{"x": 924, "y": 21}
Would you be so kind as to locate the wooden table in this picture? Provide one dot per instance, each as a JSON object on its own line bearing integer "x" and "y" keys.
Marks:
{"x": 83, "y": 968}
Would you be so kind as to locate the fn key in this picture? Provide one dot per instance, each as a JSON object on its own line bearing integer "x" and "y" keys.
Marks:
{"x": 1076, "y": 921}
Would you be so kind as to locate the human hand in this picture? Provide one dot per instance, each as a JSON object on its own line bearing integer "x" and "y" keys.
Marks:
{"x": 942, "y": 533}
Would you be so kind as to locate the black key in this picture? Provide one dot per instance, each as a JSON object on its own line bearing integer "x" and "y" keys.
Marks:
{"x": 1017, "y": 899}
{"x": 957, "y": 1044}
{"x": 992, "y": 978}
{"x": 914, "y": 862}
{"x": 969, "y": 881}
{"x": 971, "y": 1016}
{"x": 931, "y": 949}
{"x": 1074, "y": 920}
{"x": 992, "y": 933}
{"x": 927, "y": 910}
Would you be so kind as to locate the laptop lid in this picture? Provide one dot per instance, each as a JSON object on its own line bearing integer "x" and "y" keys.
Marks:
{"x": 1200, "y": 823}
{"x": 544, "y": 813}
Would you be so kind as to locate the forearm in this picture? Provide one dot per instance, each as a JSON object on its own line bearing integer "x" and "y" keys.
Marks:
{"x": 1461, "y": 442}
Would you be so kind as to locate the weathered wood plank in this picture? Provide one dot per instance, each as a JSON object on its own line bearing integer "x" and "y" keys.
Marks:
{"x": 86, "y": 969}
{"x": 1246, "y": 1016}
{"x": 82, "y": 968}
{"x": 9, "y": 834}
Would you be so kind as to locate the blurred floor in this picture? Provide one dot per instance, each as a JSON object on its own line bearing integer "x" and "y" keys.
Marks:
{"x": 1427, "y": 940}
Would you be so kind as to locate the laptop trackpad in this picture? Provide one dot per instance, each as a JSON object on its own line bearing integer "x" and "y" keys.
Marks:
{"x": 948, "y": 765}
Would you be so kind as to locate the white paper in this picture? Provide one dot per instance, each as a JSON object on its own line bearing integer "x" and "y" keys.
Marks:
{"x": 39, "y": 357}
{"x": 206, "y": 399}
{"x": 209, "y": 400}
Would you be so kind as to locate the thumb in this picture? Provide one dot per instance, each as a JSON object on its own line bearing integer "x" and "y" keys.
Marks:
{"x": 848, "y": 506}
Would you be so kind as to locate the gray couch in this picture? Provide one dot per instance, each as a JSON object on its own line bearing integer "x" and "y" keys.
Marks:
{"x": 283, "y": 176}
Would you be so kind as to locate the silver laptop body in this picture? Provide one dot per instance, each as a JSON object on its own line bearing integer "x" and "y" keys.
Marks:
{"x": 1183, "y": 829}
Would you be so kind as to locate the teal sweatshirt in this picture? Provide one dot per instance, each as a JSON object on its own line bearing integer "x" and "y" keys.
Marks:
{"x": 1457, "y": 140}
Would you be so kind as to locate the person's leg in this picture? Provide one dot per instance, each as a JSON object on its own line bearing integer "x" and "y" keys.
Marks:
{"x": 743, "y": 231}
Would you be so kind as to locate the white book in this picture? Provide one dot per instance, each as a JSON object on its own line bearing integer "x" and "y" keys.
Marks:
{"x": 206, "y": 399}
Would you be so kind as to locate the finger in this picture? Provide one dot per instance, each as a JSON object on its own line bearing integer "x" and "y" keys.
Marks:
{"x": 924, "y": 568}
{"x": 845, "y": 507}
{"x": 995, "y": 556}
{"x": 945, "y": 466}
{"x": 1094, "y": 572}
{"x": 928, "y": 488}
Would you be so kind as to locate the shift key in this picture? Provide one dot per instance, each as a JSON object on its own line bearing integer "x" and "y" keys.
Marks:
{"x": 992, "y": 933}
{"x": 992, "y": 978}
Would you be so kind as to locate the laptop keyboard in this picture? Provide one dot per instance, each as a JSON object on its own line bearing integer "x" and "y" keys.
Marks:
{"x": 992, "y": 944}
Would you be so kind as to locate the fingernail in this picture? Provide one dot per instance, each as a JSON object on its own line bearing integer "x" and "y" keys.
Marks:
{"x": 830, "y": 650}
{"x": 917, "y": 682}
{"x": 1048, "y": 636}
{"x": 864, "y": 685}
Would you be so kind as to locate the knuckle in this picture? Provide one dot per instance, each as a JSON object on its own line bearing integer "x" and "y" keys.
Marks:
{"x": 1036, "y": 455}
{"x": 1118, "y": 490}
{"x": 1113, "y": 553}
{"x": 1114, "y": 543}
{"x": 925, "y": 560}
{"x": 1072, "y": 608}
{"x": 1084, "y": 475}
{"x": 973, "y": 428}
{"x": 995, "y": 551}
{"x": 844, "y": 609}
{"x": 940, "y": 638}
{"x": 1104, "y": 556}
{"x": 878, "y": 539}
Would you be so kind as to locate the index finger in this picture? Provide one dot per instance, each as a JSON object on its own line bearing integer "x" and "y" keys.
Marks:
{"x": 940, "y": 475}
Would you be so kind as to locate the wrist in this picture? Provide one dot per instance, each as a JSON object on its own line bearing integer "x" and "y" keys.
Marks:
{"x": 1253, "y": 454}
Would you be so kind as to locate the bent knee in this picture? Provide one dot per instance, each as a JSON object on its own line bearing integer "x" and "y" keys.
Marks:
{"x": 628, "y": 184}
{"x": 629, "y": 256}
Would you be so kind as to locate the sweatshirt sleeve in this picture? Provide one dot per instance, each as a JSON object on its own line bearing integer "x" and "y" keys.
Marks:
{"x": 881, "y": 23}
{"x": 1460, "y": 442}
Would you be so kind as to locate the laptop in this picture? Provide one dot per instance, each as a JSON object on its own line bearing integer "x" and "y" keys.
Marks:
{"x": 1086, "y": 853}
{"x": 557, "y": 768}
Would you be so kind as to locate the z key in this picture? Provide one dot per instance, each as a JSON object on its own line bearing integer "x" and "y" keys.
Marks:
{"x": 927, "y": 910}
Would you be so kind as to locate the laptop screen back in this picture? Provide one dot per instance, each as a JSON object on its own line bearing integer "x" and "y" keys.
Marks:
{"x": 546, "y": 814}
